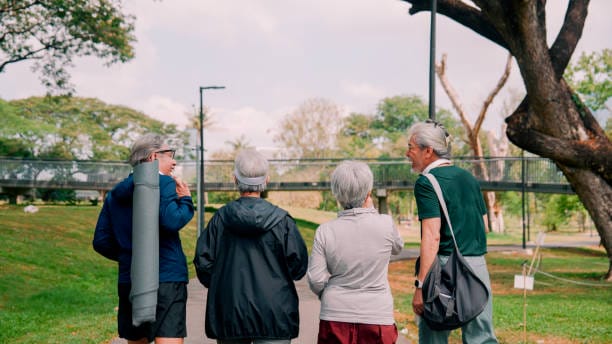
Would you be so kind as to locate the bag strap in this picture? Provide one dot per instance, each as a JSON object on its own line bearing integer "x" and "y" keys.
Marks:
{"x": 438, "y": 190}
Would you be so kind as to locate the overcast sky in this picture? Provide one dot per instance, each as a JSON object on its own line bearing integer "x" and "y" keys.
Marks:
{"x": 271, "y": 55}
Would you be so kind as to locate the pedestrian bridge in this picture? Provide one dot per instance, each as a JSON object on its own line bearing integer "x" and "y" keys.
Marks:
{"x": 495, "y": 174}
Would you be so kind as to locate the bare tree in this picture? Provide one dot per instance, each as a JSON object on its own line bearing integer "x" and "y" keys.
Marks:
{"x": 498, "y": 147}
{"x": 473, "y": 132}
{"x": 310, "y": 131}
{"x": 239, "y": 143}
{"x": 551, "y": 121}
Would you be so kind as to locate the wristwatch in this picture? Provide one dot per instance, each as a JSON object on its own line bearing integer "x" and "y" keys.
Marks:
{"x": 418, "y": 284}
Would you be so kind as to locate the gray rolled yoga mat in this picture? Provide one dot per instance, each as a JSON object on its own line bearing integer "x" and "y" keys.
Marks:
{"x": 145, "y": 243}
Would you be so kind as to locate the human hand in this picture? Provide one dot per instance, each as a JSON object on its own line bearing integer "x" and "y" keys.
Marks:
{"x": 417, "y": 302}
{"x": 182, "y": 189}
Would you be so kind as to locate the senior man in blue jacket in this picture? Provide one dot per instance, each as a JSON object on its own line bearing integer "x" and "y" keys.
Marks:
{"x": 113, "y": 240}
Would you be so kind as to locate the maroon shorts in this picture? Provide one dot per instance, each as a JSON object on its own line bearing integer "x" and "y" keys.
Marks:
{"x": 335, "y": 332}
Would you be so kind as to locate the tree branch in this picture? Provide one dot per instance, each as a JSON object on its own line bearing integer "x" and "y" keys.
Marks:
{"x": 500, "y": 84}
{"x": 463, "y": 14}
{"x": 569, "y": 35}
{"x": 594, "y": 154}
{"x": 452, "y": 94}
{"x": 472, "y": 18}
{"x": 8, "y": 32}
{"x": 565, "y": 152}
{"x": 14, "y": 8}
{"x": 29, "y": 55}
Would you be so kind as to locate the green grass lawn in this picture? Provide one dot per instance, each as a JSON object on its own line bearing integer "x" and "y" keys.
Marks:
{"x": 55, "y": 289}
{"x": 573, "y": 303}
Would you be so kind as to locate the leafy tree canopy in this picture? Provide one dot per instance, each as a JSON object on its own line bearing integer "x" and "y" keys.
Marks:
{"x": 396, "y": 114}
{"x": 52, "y": 33}
{"x": 383, "y": 134}
{"x": 75, "y": 128}
{"x": 591, "y": 77}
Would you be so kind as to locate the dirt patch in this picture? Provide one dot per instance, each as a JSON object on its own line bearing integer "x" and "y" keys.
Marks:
{"x": 401, "y": 276}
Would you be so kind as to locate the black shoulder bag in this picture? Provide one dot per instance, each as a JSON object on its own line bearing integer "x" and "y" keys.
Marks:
{"x": 452, "y": 294}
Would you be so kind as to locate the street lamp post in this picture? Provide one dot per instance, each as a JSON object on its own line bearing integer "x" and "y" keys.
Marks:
{"x": 201, "y": 156}
{"x": 432, "y": 61}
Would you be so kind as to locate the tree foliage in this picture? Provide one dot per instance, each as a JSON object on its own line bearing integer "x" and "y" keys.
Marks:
{"x": 383, "y": 134}
{"x": 591, "y": 78}
{"x": 52, "y": 33}
{"x": 560, "y": 209}
{"x": 356, "y": 139}
{"x": 76, "y": 129}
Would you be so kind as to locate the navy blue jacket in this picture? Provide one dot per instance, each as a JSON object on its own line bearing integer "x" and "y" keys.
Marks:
{"x": 248, "y": 257}
{"x": 113, "y": 235}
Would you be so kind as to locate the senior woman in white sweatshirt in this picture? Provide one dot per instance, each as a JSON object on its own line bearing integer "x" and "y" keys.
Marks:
{"x": 349, "y": 262}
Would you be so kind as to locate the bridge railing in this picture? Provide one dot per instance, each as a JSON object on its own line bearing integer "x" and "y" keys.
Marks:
{"x": 61, "y": 173}
{"x": 311, "y": 173}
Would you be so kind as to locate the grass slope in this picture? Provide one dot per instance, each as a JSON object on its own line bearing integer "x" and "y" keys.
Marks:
{"x": 54, "y": 288}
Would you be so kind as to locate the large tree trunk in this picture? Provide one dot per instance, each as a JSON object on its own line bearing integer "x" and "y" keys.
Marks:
{"x": 590, "y": 184}
{"x": 551, "y": 121}
{"x": 596, "y": 195}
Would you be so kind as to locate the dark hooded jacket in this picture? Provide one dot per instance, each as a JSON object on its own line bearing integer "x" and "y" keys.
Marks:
{"x": 113, "y": 235}
{"x": 248, "y": 257}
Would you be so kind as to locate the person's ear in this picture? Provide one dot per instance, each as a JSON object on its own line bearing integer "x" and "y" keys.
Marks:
{"x": 267, "y": 179}
{"x": 429, "y": 151}
{"x": 234, "y": 179}
{"x": 368, "y": 202}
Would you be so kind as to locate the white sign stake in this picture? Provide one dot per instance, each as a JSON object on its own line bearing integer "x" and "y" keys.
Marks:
{"x": 523, "y": 282}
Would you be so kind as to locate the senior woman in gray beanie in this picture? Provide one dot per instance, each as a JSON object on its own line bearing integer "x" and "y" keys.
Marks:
{"x": 248, "y": 257}
{"x": 349, "y": 262}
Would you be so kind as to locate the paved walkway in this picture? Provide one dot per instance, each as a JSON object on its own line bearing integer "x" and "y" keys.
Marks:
{"x": 309, "y": 315}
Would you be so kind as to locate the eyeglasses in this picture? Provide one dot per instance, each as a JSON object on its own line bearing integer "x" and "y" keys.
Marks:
{"x": 163, "y": 151}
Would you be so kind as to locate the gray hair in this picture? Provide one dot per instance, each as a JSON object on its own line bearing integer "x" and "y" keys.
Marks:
{"x": 143, "y": 147}
{"x": 251, "y": 171}
{"x": 351, "y": 182}
{"x": 432, "y": 134}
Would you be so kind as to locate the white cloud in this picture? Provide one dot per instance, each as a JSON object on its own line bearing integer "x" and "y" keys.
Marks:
{"x": 225, "y": 22}
{"x": 166, "y": 110}
{"x": 230, "y": 124}
{"x": 363, "y": 89}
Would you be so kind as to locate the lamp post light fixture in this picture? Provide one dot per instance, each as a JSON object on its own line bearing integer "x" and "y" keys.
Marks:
{"x": 201, "y": 156}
